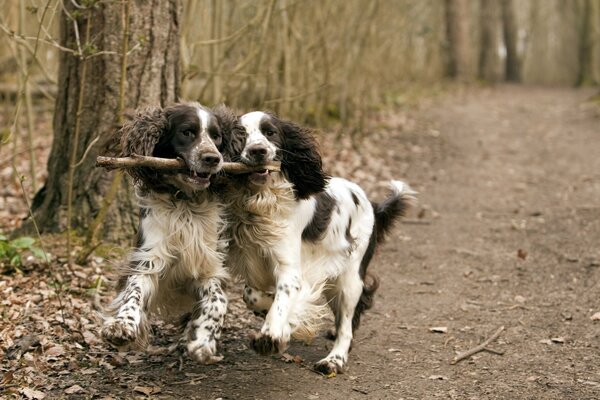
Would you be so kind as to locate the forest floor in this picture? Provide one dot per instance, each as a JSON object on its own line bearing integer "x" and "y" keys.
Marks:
{"x": 507, "y": 233}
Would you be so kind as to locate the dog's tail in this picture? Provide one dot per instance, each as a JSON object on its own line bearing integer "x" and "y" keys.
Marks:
{"x": 386, "y": 213}
{"x": 394, "y": 207}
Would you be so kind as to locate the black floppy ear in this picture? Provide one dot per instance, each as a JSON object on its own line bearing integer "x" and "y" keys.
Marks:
{"x": 140, "y": 134}
{"x": 233, "y": 133}
{"x": 301, "y": 160}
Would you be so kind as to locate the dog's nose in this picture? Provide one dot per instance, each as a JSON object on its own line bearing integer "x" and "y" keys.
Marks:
{"x": 210, "y": 160}
{"x": 257, "y": 152}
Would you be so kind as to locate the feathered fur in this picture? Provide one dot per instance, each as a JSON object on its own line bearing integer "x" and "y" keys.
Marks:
{"x": 177, "y": 265}
{"x": 298, "y": 237}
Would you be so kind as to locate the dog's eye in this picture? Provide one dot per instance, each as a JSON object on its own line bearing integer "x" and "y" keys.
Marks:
{"x": 188, "y": 133}
{"x": 269, "y": 132}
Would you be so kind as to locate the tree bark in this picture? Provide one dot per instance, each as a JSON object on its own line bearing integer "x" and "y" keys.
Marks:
{"x": 589, "y": 43}
{"x": 509, "y": 28}
{"x": 152, "y": 77}
{"x": 459, "y": 43}
{"x": 489, "y": 59}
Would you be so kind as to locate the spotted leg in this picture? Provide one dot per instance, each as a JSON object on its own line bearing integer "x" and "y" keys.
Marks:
{"x": 343, "y": 297}
{"x": 129, "y": 323}
{"x": 206, "y": 323}
{"x": 258, "y": 301}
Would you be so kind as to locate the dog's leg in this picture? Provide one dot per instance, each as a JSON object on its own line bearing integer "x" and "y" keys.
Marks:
{"x": 258, "y": 301}
{"x": 129, "y": 323}
{"x": 276, "y": 331}
{"x": 204, "y": 328}
{"x": 344, "y": 298}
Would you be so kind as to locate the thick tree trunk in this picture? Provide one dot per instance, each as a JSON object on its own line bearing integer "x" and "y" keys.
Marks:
{"x": 489, "y": 59}
{"x": 509, "y": 28}
{"x": 152, "y": 77}
{"x": 459, "y": 43}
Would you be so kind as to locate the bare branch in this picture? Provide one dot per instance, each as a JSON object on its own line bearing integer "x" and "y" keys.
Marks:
{"x": 477, "y": 349}
{"x": 176, "y": 164}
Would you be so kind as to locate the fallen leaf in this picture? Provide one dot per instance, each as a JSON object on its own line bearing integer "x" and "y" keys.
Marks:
{"x": 558, "y": 339}
{"x": 147, "y": 390}
{"x": 439, "y": 329}
{"x": 73, "y": 389}
{"x": 32, "y": 394}
{"x": 88, "y": 371}
{"x": 55, "y": 351}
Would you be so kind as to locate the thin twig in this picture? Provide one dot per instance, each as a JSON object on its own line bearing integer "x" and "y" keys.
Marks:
{"x": 477, "y": 349}
{"x": 176, "y": 164}
{"x": 46, "y": 259}
{"x": 75, "y": 142}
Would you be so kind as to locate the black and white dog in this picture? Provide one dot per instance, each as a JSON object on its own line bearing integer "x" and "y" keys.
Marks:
{"x": 177, "y": 264}
{"x": 299, "y": 236}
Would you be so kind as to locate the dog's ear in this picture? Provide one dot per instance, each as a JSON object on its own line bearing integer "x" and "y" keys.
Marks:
{"x": 301, "y": 160}
{"x": 233, "y": 133}
{"x": 140, "y": 135}
{"x": 142, "y": 131}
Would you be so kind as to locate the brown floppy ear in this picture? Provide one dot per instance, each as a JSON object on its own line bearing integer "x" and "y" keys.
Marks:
{"x": 234, "y": 134}
{"x": 301, "y": 160}
{"x": 143, "y": 131}
{"x": 139, "y": 135}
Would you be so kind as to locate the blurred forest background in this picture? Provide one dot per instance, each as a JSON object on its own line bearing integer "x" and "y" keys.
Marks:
{"x": 324, "y": 63}
{"x": 471, "y": 101}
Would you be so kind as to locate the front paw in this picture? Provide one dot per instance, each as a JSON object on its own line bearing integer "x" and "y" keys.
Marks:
{"x": 203, "y": 351}
{"x": 118, "y": 333}
{"x": 329, "y": 366}
{"x": 265, "y": 344}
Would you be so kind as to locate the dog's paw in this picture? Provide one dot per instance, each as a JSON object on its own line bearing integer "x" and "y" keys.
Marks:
{"x": 204, "y": 352}
{"x": 330, "y": 365}
{"x": 118, "y": 333}
{"x": 265, "y": 344}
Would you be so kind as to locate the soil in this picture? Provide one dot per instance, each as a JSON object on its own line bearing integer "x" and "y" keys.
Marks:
{"x": 507, "y": 233}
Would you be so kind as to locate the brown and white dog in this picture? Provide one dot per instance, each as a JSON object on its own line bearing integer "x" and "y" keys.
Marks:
{"x": 177, "y": 264}
{"x": 299, "y": 236}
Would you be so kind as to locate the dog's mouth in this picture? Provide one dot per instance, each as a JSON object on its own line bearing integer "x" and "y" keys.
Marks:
{"x": 259, "y": 177}
{"x": 201, "y": 179}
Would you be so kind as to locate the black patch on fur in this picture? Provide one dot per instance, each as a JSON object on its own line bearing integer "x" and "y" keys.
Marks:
{"x": 354, "y": 198}
{"x": 324, "y": 206}
{"x": 366, "y": 260}
{"x": 234, "y": 134}
{"x": 348, "y": 233}
{"x": 301, "y": 160}
{"x": 366, "y": 299}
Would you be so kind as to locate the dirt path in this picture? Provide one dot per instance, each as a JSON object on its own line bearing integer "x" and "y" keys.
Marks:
{"x": 498, "y": 170}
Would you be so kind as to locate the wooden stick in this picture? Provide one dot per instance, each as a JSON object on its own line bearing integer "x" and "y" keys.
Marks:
{"x": 175, "y": 164}
{"x": 474, "y": 350}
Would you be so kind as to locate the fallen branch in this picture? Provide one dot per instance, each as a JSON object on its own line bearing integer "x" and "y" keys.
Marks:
{"x": 176, "y": 164}
{"x": 481, "y": 347}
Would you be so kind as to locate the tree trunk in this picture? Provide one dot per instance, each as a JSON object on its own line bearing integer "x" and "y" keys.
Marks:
{"x": 152, "y": 77}
{"x": 589, "y": 43}
{"x": 489, "y": 59}
{"x": 509, "y": 28}
{"x": 457, "y": 29}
